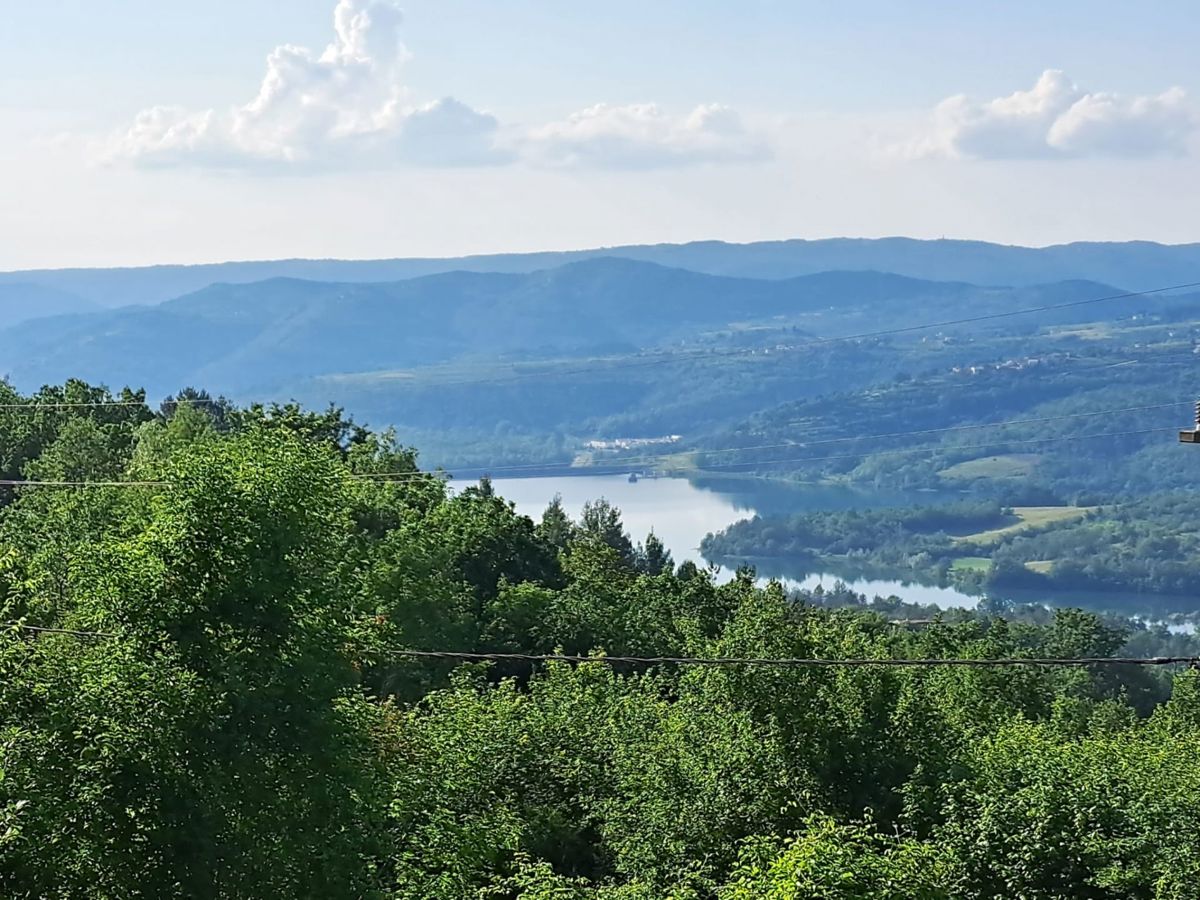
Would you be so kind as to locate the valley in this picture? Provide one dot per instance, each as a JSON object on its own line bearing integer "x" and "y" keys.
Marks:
{"x": 1053, "y": 400}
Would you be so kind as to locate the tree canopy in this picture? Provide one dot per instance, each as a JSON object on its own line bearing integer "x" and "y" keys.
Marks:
{"x": 233, "y": 717}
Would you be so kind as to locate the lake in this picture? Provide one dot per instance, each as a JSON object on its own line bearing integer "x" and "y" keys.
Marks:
{"x": 681, "y": 512}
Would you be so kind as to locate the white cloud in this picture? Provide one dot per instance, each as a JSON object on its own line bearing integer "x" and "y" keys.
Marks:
{"x": 642, "y": 136}
{"x": 349, "y": 105}
{"x": 311, "y": 111}
{"x": 1116, "y": 126}
{"x": 1055, "y": 119}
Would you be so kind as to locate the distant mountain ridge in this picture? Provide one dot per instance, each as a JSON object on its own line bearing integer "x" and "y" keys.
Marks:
{"x": 265, "y": 337}
{"x": 1132, "y": 265}
{"x": 239, "y": 336}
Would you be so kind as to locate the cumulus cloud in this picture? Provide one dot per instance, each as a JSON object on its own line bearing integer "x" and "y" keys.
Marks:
{"x": 347, "y": 103}
{"x": 642, "y": 136}
{"x": 1056, "y": 118}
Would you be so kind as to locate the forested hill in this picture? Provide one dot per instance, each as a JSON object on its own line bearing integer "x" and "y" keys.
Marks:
{"x": 487, "y": 369}
{"x": 1133, "y": 265}
{"x": 207, "y": 689}
{"x": 268, "y": 334}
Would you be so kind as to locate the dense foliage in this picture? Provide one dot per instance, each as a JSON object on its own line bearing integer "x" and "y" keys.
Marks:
{"x": 888, "y": 534}
{"x": 1147, "y": 546}
{"x": 240, "y": 724}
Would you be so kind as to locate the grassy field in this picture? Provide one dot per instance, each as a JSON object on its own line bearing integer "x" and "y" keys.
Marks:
{"x": 971, "y": 564}
{"x": 1027, "y": 517}
{"x": 1011, "y": 465}
{"x": 1041, "y": 566}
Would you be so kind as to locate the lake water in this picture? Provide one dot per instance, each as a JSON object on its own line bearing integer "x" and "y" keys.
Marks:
{"x": 677, "y": 511}
{"x": 681, "y": 512}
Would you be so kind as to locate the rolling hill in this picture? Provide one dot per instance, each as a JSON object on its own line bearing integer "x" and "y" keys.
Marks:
{"x": 267, "y": 334}
{"x": 524, "y": 366}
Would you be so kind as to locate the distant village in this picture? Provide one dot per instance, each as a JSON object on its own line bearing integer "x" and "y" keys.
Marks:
{"x": 632, "y": 443}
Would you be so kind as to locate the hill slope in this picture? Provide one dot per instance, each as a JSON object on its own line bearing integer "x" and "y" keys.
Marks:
{"x": 238, "y": 337}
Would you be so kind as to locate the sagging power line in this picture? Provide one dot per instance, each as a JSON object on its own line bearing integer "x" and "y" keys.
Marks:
{"x": 798, "y": 445}
{"x": 466, "y": 656}
{"x": 43, "y": 629}
{"x": 398, "y": 476}
{"x": 411, "y": 475}
{"x": 798, "y": 662}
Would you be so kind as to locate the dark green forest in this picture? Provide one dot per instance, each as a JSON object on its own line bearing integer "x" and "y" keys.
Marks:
{"x": 1143, "y": 546}
{"x": 232, "y": 715}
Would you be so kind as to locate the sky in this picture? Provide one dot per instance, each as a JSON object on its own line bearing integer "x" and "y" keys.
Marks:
{"x": 136, "y": 132}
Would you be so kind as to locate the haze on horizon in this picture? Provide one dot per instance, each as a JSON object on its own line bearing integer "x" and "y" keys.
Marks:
{"x": 237, "y": 129}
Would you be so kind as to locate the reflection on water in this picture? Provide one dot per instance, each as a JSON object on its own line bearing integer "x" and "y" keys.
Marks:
{"x": 909, "y": 591}
{"x": 681, "y": 513}
{"x": 775, "y": 498}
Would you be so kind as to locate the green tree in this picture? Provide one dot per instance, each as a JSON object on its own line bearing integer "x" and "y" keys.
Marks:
{"x": 195, "y": 732}
{"x": 601, "y": 521}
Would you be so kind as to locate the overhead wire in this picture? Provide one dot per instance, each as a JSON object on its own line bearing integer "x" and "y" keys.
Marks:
{"x": 21, "y": 483}
{"x": 42, "y": 629}
{"x": 463, "y": 656}
{"x": 34, "y": 404}
{"x": 656, "y": 457}
{"x": 946, "y": 449}
{"x": 726, "y": 661}
{"x": 796, "y": 662}
{"x": 389, "y": 477}
{"x": 914, "y": 450}
{"x": 641, "y": 458}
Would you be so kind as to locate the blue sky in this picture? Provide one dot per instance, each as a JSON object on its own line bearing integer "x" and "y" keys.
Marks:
{"x": 134, "y": 132}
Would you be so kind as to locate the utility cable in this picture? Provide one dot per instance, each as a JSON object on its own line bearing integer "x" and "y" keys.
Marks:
{"x": 952, "y": 448}
{"x": 726, "y": 661}
{"x": 796, "y": 662}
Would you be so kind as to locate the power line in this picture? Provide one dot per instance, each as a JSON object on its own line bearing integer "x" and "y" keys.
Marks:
{"x": 796, "y": 662}
{"x": 396, "y": 476}
{"x": 15, "y": 483}
{"x": 410, "y": 475}
{"x": 1018, "y": 312}
{"x": 943, "y": 449}
{"x": 33, "y": 404}
{"x": 40, "y": 629}
{"x": 653, "y": 457}
{"x": 643, "y": 458}
{"x": 782, "y": 662}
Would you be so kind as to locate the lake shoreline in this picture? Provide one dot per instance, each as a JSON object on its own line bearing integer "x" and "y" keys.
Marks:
{"x": 682, "y": 510}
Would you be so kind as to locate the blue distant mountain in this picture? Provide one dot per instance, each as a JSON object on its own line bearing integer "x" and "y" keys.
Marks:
{"x": 20, "y": 301}
{"x": 237, "y": 336}
{"x": 1132, "y": 265}
{"x": 266, "y": 336}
